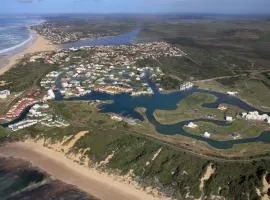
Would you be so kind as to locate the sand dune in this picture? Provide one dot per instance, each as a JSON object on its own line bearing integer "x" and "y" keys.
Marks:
{"x": 89, "y": 180}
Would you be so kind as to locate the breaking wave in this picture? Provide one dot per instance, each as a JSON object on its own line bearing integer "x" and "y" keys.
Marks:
{"x": 30, "y": 38}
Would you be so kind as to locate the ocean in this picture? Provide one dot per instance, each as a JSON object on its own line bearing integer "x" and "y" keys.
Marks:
{"x": 14, "y": 34}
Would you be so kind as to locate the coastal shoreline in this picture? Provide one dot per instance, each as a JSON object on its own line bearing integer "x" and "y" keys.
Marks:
{"x": 37, "y": 44}
{"x": 89, "y": 180}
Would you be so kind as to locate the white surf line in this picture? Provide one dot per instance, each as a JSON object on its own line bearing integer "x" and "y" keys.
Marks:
{"x": 30, "y": 38}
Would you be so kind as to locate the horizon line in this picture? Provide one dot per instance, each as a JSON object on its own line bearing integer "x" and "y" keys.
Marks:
{"x": 136, "y": 13}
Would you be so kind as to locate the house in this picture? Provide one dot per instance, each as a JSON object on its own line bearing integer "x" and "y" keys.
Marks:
{"x": 222, "y": 107}
{"x": 191, "y": 125}
{"x": 229, "y": 119}
{"x": 235, "y": 136}
{"x": 116, "y": 118}
{"x": 206, "y": 134}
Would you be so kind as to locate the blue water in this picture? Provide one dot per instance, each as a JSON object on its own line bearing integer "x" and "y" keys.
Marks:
{"x": 14, "y": 33}
{"x": 18, "y": 119}
{"x": 125, "y": 105}
{"x": 123, "y": 39}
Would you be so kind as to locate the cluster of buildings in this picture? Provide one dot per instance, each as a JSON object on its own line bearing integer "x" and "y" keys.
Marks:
{"x": 83, "y": 79}
{"x": 39, "y": 113}
{"x": 120, "y": 55}
{"x": 22, "y": 124}
{"x": 110, "y": 69}
{"x": 186, "y": 86}
{"x": 59, "y": 34}
{"x": 255, "y": 116}
{"x": 27, "y": 100}
{"x": 130, "y": 54}
{"x": 16, "y": 110}
{"x": 54, "y": 34}
{"x": 58, "y": 57}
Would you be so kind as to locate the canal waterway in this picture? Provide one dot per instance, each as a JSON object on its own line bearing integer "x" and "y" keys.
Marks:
{"x": 125, "y": 105}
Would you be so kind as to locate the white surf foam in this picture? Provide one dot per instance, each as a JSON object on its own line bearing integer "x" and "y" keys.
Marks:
{"x": 18, "y": 45}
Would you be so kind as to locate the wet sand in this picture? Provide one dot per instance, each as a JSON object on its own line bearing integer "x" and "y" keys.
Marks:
{"x": 38, "y": 44}
{"x": 89, "y": 180}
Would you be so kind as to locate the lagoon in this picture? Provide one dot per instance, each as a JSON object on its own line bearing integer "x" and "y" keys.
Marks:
{"x": 123, "y": 39}
{"x": 125, "y": 104}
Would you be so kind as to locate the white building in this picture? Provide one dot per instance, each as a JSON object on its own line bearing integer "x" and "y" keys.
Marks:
{"x": 207, "y": 135}
{"x": 186, "y": 86}
{"x": 191, "y": 125}
{"x": 232, "y": 93}
{"x": 51, "y": 94}
{"x": 64, "y": 84}
{"x": 116, "y": 118}
{"x": 255, "y": 116}
{"x": 4, "y": 94}
{"x": 229, "y": 119}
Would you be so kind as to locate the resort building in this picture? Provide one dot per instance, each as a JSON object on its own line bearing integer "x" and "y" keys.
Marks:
{"x": 186, "y": 86}
{"x": 255, "y": 116}
{"x": 232, "y": 93}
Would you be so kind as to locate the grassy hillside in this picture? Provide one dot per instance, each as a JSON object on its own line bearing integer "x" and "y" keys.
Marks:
{"x": 175, "y": 172}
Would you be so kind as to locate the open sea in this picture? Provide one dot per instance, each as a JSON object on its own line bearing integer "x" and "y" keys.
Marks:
{"x": 14, "y": 33}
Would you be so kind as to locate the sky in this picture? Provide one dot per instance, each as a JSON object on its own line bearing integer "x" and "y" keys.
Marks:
{"x": 136, "y": 6}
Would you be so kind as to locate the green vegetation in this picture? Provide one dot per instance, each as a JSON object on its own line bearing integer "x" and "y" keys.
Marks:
{"x": 24, "y": 76}
{"x": 174, "y": 172}
{"x": 241, "y": 127}
{"x": 237, "y": 177}
{"x": 214, "y": 48}
{"x": 254, "y": 88}
{"x": 189, "y": 108}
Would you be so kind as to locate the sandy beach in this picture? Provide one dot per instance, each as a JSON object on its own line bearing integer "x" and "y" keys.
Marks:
{"x": 38, "y": 44}
{"x": 89, "y": 180}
